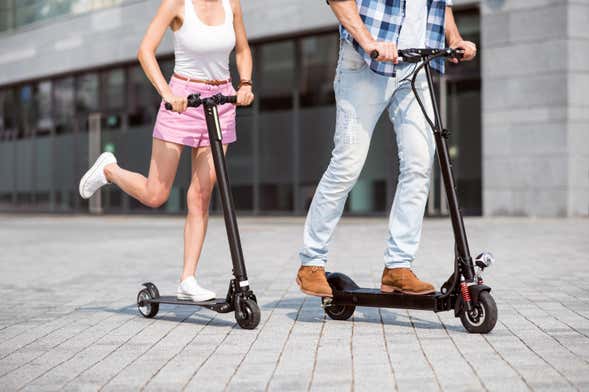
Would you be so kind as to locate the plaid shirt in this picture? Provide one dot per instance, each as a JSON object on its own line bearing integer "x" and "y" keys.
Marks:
{"x": 384, "y": 19}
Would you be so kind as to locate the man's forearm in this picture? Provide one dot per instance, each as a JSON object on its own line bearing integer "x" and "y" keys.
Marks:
{"x": 346, "y": 11}
{"x": 452, "y": 34}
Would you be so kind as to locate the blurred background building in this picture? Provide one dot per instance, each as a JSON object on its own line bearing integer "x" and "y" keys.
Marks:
{"x": 518, "y": 113}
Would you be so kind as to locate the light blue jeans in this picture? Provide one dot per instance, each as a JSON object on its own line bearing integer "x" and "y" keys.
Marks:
{"x": 361, "y": 98}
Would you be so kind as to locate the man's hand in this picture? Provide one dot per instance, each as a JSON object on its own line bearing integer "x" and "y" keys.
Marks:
{"x": 469, "y": 48}
{"x": 387, "y": 51}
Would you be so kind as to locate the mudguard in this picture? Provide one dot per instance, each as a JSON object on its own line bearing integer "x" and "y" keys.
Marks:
{"x": 475, "y": 292}
{"x": 152, "y": 289}
{"x": 340, "y": 282}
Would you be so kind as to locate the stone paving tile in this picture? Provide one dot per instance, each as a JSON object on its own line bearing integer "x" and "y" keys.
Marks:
{"x": 71, "y": 323}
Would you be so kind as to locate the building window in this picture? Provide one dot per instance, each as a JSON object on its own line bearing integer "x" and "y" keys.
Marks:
{"x": 143, "y": 100}
{"x": 6, "y": 16}
{"x": 26, "y": 111}
{"x": 277, "y": 75}
{"x": 63, "y": 101}
{"x": 17, "y": 13}
{"x": 43, "y": 106}
{"x": 87, "y": 93}
{"x": 113, "y": 89}
{"x": 8, "y": 123}
{"x": 318, "y": 57}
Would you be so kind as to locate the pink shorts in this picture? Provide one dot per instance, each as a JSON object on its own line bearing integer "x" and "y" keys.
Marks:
{"x": 190, "y": 128}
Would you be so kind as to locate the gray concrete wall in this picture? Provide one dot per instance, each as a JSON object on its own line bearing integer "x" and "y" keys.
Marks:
{"x": 113, "y": 35}
{"x": 535, "y": 118}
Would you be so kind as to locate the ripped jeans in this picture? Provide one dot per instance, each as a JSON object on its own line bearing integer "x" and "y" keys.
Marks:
{"x": 361, "y": 98}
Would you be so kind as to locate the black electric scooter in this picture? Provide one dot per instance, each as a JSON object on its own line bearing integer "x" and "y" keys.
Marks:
{"x": 464, "y": 292}
{"x": 240, "y": 297}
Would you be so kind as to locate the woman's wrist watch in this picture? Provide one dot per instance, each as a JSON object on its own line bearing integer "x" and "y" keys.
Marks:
{"x": 245, "y": 82}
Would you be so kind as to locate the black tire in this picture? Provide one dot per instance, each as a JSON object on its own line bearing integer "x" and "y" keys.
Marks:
{"x": 249, "y": 316}
{"x": 340, "y": 312}
{"x": 483, "y": 317}
{"x": 147, "y": 310}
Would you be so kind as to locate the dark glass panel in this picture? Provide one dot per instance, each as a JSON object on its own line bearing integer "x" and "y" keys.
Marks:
{"x": 87, "y": 93}
{"x": 277, "y": 75}
{"x": 468, "y": 22}
{"x": 113, "y": 89}
{"x": 8, "y": 118}
{"x": 26, "y": 111}
{"x": 318, "y": 62}
{"x": 43, "y": 91}
{"x": 167, "y": 67}
{"x": 143, "y": 99}
{"x": 64, "y": 109}
{"x": 276, "y": 160}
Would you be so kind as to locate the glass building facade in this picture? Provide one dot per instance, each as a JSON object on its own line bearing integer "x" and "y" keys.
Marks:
{"x": 19, "y": 13}
{"x": 284, "y": 139}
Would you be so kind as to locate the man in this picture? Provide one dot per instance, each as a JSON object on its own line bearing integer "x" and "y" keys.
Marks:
{"x": 364, "y": 88}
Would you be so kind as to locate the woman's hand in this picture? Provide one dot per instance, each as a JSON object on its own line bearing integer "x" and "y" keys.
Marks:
{"x": 179, "y": 104}
{"x": 245, "y": 96}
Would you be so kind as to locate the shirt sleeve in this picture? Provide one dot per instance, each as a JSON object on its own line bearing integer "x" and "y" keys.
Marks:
{"x": 449, "y": 3}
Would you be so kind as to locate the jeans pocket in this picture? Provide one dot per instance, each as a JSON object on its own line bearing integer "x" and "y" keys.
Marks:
{"x": 350, "y": 60}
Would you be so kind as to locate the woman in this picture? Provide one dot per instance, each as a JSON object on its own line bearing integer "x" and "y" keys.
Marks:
{"x": 205, "y": 32}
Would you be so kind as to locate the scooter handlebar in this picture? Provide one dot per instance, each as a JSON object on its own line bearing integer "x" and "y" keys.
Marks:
{"x": 416, "y": 55}
{"x": 194, "y": 100}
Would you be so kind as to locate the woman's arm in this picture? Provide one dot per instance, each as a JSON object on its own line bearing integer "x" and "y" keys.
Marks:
{"x": 455, "y": 39}
{"x": 243, "y": 57}
{"x": 165, "y": 17}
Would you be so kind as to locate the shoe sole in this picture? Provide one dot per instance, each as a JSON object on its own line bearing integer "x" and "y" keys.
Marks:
{"x": 88, "y": 174}
{"x": 391, "y": 289}
{"x": 310, "y": 292}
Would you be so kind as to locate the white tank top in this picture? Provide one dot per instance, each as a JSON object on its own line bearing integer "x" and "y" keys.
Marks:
{"x": 202, "y": 51}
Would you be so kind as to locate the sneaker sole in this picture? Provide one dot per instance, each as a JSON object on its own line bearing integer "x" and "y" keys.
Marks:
{"x": 391, "y": 289}
{"x": 89, "y": 173}
{"x": 310, "y": 292}
{"x": 185, "y": 297}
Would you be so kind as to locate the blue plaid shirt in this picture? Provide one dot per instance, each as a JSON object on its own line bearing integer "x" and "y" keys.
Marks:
{"x": 384, "y": 19}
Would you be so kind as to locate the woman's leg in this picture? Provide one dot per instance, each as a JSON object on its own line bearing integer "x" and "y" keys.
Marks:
{"x": 197, "y": 199}
{"x": 153, "y": 190}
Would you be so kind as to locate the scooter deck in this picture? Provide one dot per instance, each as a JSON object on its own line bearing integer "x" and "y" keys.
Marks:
{"x": 375, "y": 298}
{"x": 172, "y": 300}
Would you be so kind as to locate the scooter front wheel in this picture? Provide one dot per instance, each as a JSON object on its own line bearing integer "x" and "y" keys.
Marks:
{"x": 248, "y": 317}
{"x": 483, "y": 317}
{"x": 340, "y": 312}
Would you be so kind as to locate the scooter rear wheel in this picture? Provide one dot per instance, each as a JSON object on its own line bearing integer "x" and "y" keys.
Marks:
{"x": 340, "y": 312}
{"x": 483, "y": 317}
{"x": 147, "y": 309}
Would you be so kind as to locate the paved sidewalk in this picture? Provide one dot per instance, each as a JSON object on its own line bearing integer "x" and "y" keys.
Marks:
{"x": 69, "y": 321}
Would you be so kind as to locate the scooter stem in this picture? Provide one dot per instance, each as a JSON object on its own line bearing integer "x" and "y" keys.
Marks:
{"x": 449, "y": 184}
{"x": 215, "y": 137}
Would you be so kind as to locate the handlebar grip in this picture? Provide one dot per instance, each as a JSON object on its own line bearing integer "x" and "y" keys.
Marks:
{"x": 168, "y": 106}
{"x": 374, "y": 54}
{"x": 231, "y": 99}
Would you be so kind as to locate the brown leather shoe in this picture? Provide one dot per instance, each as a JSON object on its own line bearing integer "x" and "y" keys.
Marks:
{"x": 405, "y": 281}
{"x": 312, "y": 281}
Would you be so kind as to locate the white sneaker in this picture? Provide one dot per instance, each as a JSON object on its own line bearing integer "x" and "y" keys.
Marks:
{"x": 94, "y": 179}
{"x": 189, "y": 289}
